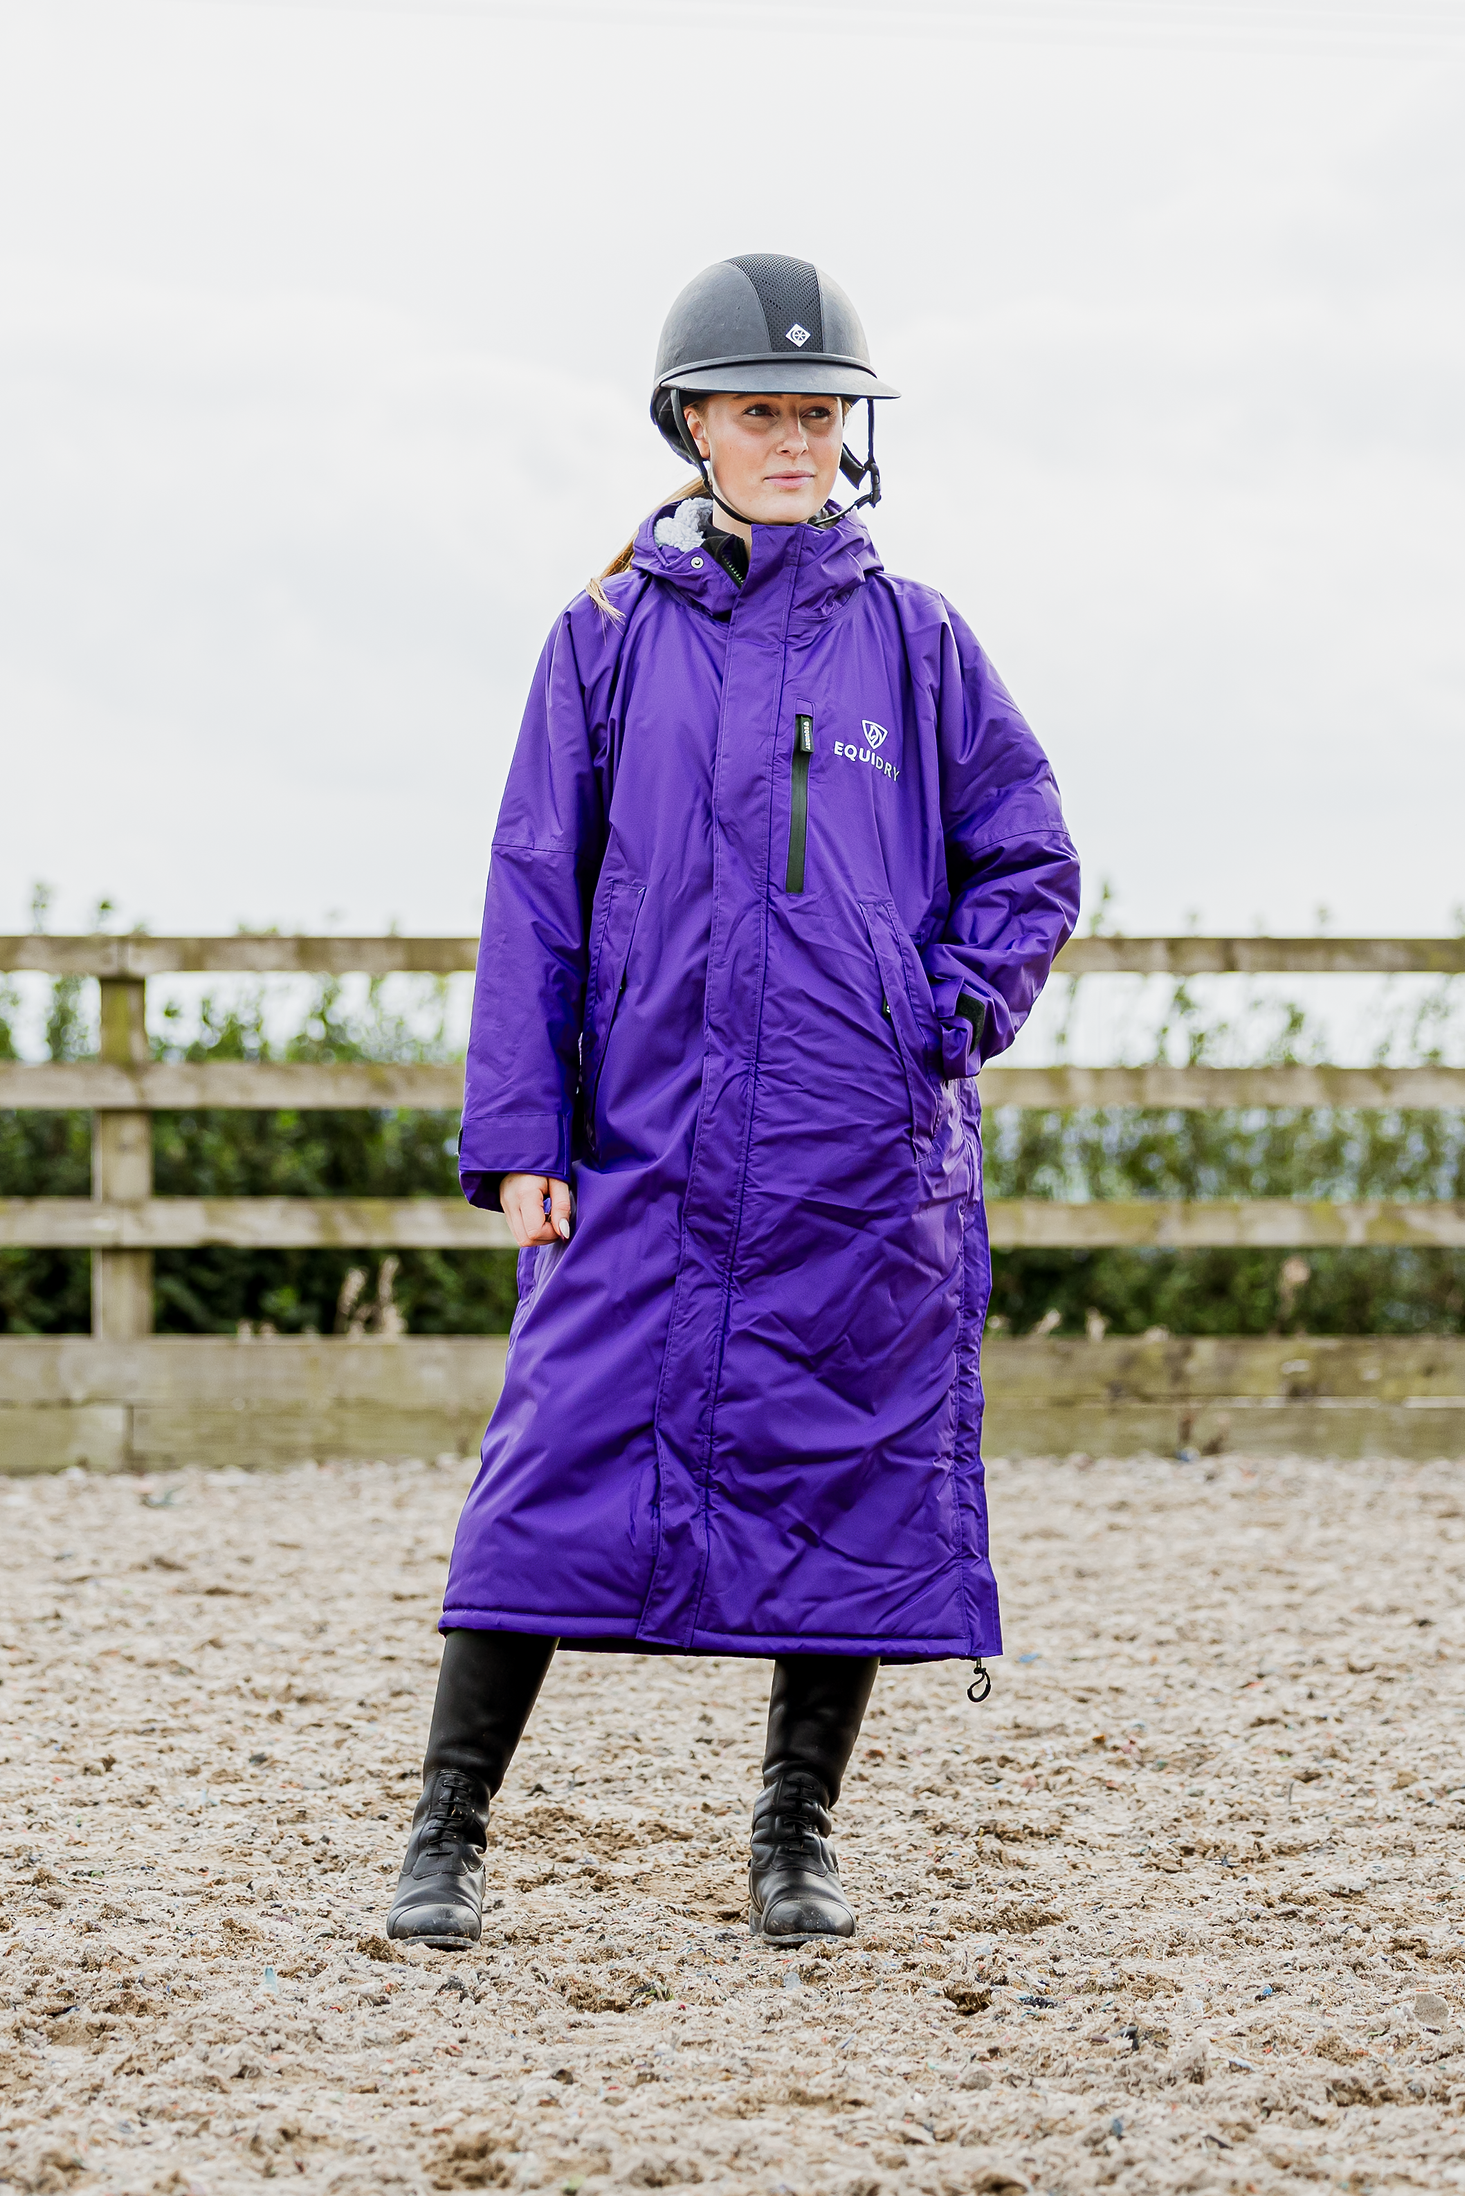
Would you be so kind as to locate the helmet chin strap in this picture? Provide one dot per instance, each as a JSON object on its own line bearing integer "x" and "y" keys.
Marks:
{"x": 702, "y": 464}
{"x": 853, "y": 471}
{"x": 709, "y": 479}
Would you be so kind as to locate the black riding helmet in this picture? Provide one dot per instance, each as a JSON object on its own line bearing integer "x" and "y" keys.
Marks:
{"x": 765, "y": 324}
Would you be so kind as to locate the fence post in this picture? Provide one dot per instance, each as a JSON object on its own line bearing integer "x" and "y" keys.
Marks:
{"x": 122, "y": 1171}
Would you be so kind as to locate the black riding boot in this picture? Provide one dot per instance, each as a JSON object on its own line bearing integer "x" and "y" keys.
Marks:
{"x": 814, "y": 1716}
{"x": 487, "y": 1684}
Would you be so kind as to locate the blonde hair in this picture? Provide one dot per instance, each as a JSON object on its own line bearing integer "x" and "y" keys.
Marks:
{"x": 621, "y": 561}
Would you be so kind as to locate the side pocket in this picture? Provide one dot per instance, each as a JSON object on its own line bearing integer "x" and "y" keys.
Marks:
{"x": 606, "y": 988}
{"x": 881, "y": 923}
{"x": 533, "y": 1270}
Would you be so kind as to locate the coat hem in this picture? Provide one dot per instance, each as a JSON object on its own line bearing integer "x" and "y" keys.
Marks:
{"x": 608, "y": 1636}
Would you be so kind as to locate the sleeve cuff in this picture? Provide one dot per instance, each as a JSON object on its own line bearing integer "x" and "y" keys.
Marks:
{"x": 961, "y": 1038}
{"x": 483, "y": 1189}
{"x": 495, "y": 1144}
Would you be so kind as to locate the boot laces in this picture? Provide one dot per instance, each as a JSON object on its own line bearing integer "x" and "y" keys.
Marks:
{"x": 451, "y": 1818}
{"x": 796, "y": 1813}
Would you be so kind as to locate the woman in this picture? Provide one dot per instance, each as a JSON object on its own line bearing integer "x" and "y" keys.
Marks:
{"x": 777, "y": 866}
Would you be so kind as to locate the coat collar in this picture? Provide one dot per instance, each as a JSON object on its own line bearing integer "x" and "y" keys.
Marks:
{"x": 820, "y": 566}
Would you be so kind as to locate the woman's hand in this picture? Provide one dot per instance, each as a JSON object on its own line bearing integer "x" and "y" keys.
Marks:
{"x": 522, "y": 1197}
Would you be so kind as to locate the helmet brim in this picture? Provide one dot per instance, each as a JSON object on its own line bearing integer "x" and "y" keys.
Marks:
{"x": 777, "y": 375}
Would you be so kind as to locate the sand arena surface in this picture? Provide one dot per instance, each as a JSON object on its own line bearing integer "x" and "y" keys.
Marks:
{"x": 1178, "y": 1909}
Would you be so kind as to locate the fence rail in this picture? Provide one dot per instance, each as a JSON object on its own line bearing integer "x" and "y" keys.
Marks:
{"x": 446, "y": 1223}
{"x": 246, "y": 1086}
{"x": 267, "y": 953}
{"x": 244, "y": 953}
{"x": 123, "y": 1223}
{"x": 269, "y": 1086}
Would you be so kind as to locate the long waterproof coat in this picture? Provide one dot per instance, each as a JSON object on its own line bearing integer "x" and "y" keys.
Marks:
{"x": 774, "y": 863}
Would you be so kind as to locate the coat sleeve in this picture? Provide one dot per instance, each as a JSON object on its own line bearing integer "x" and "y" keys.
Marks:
{"x": 1012, "y": 872}
{"x": 529, "y": 993}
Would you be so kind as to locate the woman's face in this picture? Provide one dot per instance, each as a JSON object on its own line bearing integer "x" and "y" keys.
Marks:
{"x": 773, "y": 457}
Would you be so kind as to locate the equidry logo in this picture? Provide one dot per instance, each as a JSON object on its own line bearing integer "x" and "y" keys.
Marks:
{"x": 876, "y": 735}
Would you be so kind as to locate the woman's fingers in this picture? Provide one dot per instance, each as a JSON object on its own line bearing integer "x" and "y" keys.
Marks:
{"x": 560, "y": 1209}
{"x": 522, "y": 1198}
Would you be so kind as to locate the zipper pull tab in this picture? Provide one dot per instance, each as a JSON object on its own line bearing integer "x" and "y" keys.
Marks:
{"x": 804, "y": 735}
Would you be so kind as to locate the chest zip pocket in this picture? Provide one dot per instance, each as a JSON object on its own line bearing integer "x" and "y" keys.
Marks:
{"x": 798, "y": 805}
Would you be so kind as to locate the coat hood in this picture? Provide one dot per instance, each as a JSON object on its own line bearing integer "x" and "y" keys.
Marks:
{"x": 825, "y": 565}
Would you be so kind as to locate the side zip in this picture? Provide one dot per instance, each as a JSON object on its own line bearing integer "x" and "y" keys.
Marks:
{"x": 798, "y": 819}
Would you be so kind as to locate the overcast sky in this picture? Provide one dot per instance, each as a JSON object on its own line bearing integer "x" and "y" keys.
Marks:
{"x": 325, "y": 346}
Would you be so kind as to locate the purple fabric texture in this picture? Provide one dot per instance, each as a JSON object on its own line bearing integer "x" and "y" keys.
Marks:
{"x": 742, "y": 1407}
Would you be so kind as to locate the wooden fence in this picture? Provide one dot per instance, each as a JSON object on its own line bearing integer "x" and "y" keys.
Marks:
{"x": 97, "y": 1393}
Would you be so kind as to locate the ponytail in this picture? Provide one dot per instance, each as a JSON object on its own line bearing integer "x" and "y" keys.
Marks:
{"x": 621, "y": 561}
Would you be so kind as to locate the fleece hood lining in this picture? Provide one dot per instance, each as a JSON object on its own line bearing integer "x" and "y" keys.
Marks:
{"x": 686, "y": 525}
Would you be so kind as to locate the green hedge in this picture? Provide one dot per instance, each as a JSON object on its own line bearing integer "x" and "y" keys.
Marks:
{"x": 218, "y": 1154}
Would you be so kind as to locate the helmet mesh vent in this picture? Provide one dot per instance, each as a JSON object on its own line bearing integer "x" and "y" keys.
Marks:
{"x": 788, "y": 291}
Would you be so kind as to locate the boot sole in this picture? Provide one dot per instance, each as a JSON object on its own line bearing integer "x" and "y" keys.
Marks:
{"x": 806, "y": 1936}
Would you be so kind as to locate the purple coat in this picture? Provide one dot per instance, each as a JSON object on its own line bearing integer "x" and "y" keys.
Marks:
{"x": 773, "y": 866}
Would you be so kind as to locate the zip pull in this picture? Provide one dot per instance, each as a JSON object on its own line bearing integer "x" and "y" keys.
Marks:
{"x": 804, "y": 735}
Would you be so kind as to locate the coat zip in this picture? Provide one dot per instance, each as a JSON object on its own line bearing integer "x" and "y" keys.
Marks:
{"x": 798, "y": 822}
